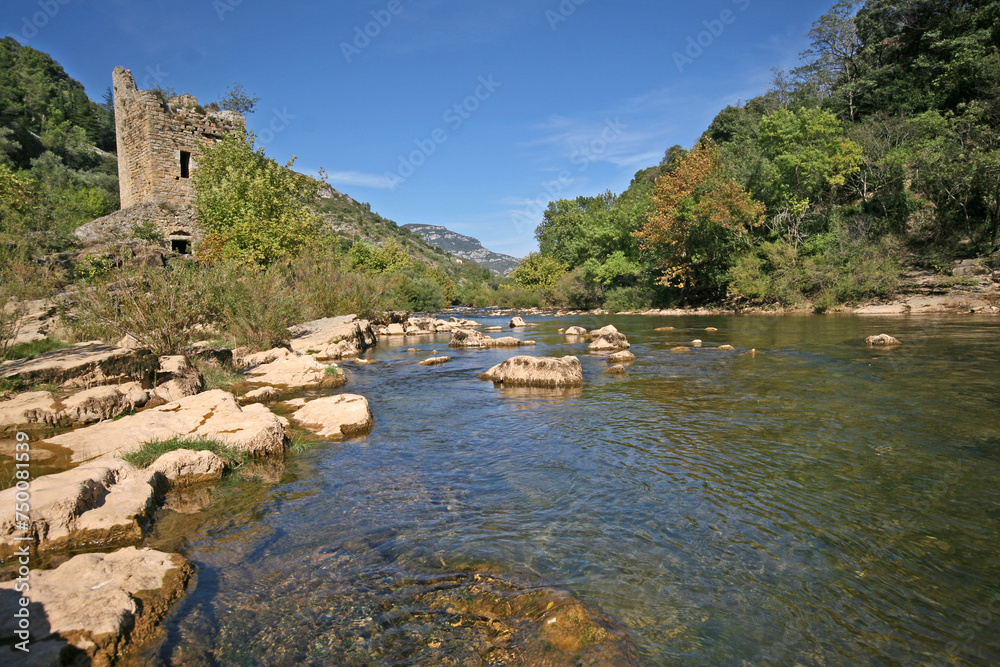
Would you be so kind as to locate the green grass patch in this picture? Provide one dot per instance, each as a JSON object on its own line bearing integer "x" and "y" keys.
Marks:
{"x": 25, "y": 350}
{"x": 332, "y": 371}
{"x": 219, "y": 377}
{"x": 144, "y": 457}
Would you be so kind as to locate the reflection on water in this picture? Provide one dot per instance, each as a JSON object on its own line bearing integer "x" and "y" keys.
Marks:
{"x": 818, "y": 503}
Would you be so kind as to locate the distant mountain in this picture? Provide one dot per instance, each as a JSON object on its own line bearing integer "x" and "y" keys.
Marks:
{"x": 465, "y": 247}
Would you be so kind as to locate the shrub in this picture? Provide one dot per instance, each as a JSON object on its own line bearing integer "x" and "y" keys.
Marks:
{"x": 254, "y": 306}
{"x": 628, "y": 298}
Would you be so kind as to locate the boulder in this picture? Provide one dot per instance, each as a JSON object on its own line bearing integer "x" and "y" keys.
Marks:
{"x": 94, "y": 609}
{"x": 395, "y": 330}
{"x": 517, "y": 322}
{"x": 176, "y": 379}
{"x": 617, "y": 370}
{"x": 435, "y": 361}
{"x": 463, "y": 324}
{"x": 726, "y": 348}
{"x": 216, "y": 415}
{"x": 244, "y": 358}
{"x": 327, "y": 332}
{"x": 537, "y": 372}
{"x": 336, "y": 417}
{"x": 83, "y": 366}
{"x": 609, "y": 342}
{"x": 603, "y": 331}
{"x": 509, "y": 341}
{"x": 294, "y": 370}
{"x": 576, "y": 331}
{"x": 622, "y": 357}
{"x": 881, "y": 340}
{"x": 468, "y": 338}
{"x": 262, "y": 395}
{"x": 185, "y": 467}
{"x": 106, "y": 502}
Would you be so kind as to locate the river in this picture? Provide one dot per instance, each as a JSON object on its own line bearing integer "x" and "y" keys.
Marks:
{"x": 818, "y": 502}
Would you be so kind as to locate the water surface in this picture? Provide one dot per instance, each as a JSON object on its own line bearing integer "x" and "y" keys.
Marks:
{"x": 817, "y": 502}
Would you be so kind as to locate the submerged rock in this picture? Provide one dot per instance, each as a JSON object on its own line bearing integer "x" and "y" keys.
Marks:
{"x": 537, "y": 372}
{"x": 617, "y": 370}
{"x": 881, "y": 340}
{"x": 336, "y": 417}
{"x": 435, "y": 361}
{"x": 104, "y": 503}
{"x": 94, "y": 608}
{"x": 252, "y": 429}
{"x": 726, "y": 348}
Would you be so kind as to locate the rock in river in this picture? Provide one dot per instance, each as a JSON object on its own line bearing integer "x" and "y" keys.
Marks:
{"x": 95, "y": 608}
{"x": 336, "y": 417}
{"x": 537, "y": 372}
{"x": 83, "y": 366}
{"x": 881, "y": 340}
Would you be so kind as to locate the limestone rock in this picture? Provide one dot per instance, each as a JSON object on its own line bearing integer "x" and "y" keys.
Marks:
{"x": 243, "y": 358}
{"x": 493, "y": 329}
{"x": 603, "y": 331}
{"x": 88, "y": 406}
{"x": 395, "y": 330}
{"x": 253, "y": 429}
{"x": 608, "y": 342}
{"x": 83, "y": 366}
{"x": 212, "y": 355}
{"x": 106, "y": 502}
{"x": 680, "y": 349}
{"x": 262, "y": 395}
{"x": 365, "y": 362}
{"x": 576, "y": 331}
{"x": 468, "y": 338}
{"x": 435, "y": 361}
{"x": 726, "y": 348}
{"x": 617, "y": 370}
{"x": 176, "y": 379}
{"x": 510, "y": 341}
{"x": 185, "y": 467}
{"x": 622, "y": 357}
{"x": 537, "y": 372}
{"x": 517, "y": 322}
{"x": 336, "y": 417}
{"x": 98, "y": 607}
{"x": 325, "y": 334}
{"x": 293, "y": 370}
{"x": 881, "y": 340}
{"x": 465, "y": 324}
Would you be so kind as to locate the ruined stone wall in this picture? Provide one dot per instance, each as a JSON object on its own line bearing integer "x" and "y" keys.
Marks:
{"x": 158, "y": 142}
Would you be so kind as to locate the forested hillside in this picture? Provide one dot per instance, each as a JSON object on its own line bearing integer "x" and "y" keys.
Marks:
{"x": 883, "y": 148}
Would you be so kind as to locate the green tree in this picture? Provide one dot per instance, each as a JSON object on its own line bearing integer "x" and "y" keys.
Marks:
{"x": 254, "y": 211}
{"x": 239, "y": 100}
{"x": 538, "y": 270}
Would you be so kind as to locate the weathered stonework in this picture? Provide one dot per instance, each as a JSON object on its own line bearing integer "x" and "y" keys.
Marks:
{"x": 159, "y": 145}
{"x": 158, "y": 142}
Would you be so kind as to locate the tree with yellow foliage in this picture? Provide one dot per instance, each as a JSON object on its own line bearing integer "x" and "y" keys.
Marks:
{"x": 700, "y": 218}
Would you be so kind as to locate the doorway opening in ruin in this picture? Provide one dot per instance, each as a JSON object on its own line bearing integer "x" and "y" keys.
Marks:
{"x": 185, "y": 164}
{"x": 180, "y": 243}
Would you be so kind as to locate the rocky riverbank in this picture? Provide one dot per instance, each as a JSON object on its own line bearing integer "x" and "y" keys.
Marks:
{"x": 89, "y": 410}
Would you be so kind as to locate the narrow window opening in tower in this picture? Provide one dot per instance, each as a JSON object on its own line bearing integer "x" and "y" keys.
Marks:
{"x": 185, "y": 164}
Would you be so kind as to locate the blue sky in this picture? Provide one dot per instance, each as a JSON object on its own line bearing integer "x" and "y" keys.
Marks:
{"x": 471, "y": 115}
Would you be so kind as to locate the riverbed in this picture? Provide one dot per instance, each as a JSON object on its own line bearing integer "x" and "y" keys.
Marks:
{"x": 814, "y": 501}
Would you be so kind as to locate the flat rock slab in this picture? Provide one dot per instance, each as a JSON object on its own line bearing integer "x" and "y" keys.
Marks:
{"x": 46, "y": 409}
{"x": 294, "y": 370}
{"x": 252, "y": 429}
{"x": 470, "y": 339}
{"x": 94, "y": 608}
{"x": 84, "y": 365}
{"x": 336, "y": 417}
{"x": 435, "y": 361}
{"x": 537, "y": 372}
{"x": 103, "y": 503}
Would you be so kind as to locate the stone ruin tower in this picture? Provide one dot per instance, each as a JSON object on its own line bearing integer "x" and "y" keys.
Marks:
{"x": 158, "y": 151}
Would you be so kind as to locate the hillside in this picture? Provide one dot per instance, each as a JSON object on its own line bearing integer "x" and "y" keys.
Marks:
{"x": 355, "y": 221}
{"x": 465, "y": 247}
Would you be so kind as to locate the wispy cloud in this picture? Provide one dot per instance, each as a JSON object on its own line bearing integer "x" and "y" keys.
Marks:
{"x": 361, "y": 180}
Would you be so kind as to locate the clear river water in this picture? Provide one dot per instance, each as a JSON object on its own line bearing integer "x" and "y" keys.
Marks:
{"x": 815, "y": 503}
